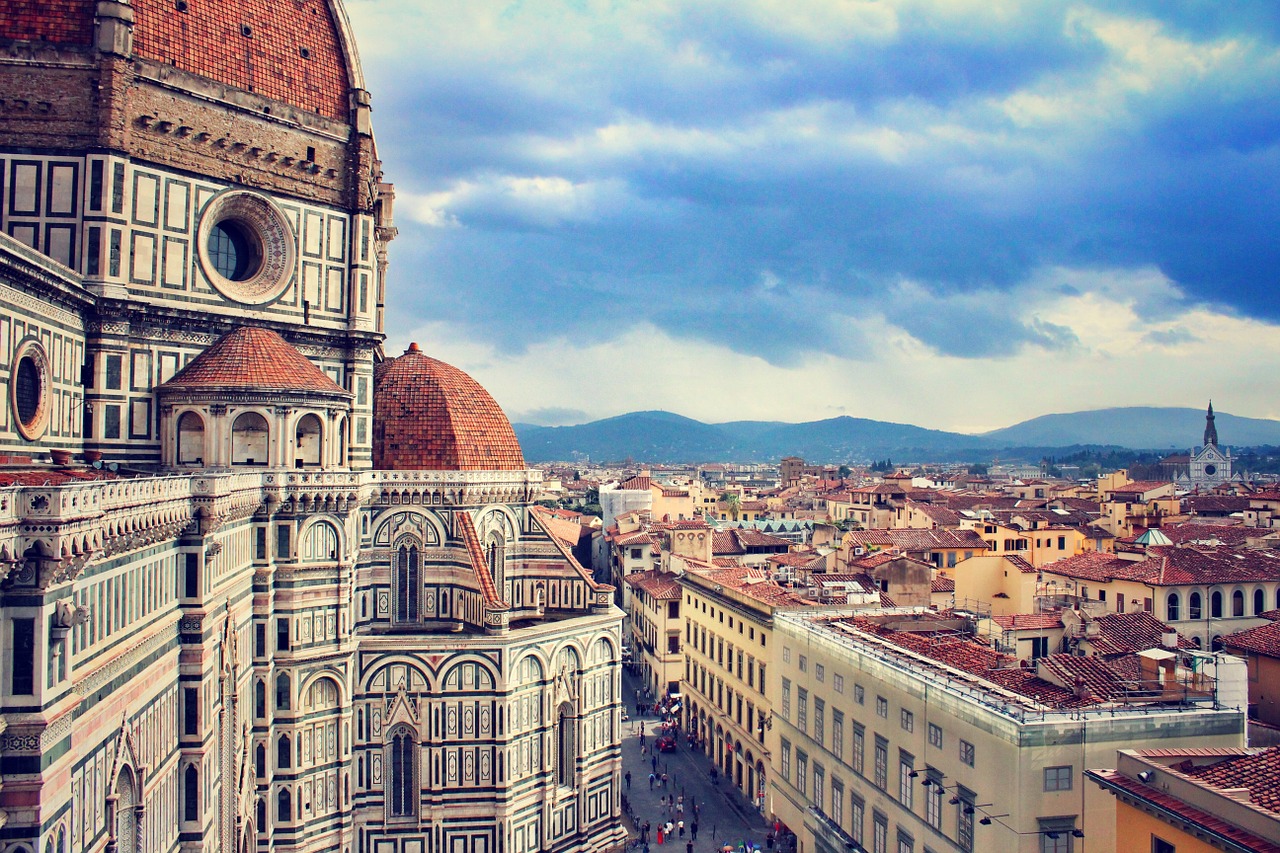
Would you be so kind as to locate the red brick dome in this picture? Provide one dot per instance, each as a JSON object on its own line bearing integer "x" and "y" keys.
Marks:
{"x": 51, "y": 21}
{"x": 291, "y": 51}
{"x": 430, "y": 416}
{"x": 256, "y": 359}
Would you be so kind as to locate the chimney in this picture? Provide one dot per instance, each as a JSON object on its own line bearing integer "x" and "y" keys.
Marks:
{"x": 1169, "y": 639}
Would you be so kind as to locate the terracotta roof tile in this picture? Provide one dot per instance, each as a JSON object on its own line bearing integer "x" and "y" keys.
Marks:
{"x": 206, "y": 39}
{"x": 1263, "y": 640}
{"x": 430, "y": 416}
{"x": 1029, "y": 621}
{"x": 1260, "y": 773}
{"x": 252, "y": 358}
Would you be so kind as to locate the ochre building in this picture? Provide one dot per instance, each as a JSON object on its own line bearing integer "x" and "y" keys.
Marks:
{"x": 261, "y": 586}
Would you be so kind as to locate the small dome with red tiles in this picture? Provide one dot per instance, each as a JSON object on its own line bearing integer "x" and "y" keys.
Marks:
{"x": 430, "y": 416}
{"x": 253, "y": 359}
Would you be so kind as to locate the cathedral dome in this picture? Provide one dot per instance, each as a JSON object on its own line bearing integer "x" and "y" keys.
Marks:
{"x": 255, "y": 359}
{"x": 296, "y": 51}
{"x": 430, "y": 416}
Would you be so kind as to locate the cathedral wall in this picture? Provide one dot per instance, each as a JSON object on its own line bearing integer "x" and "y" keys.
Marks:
{"x": 50, "y": 98}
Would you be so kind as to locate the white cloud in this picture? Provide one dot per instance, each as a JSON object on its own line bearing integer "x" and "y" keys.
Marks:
{"x": 1124, "y": 358}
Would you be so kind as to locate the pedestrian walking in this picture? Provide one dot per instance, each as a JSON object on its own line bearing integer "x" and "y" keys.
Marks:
{"x": 664, "y": 781}
{"x": 660, "y": 839}
{"x": 693, "y": 828}
{"x": 680, "y": 827}
{"x": 651, "y": 778}
{"x": 628, "y": 778}
{"x": 644, "y": 832}
{"x": 688, "y": 847}
{"x": 768, "y": 841}
{"x": 653, "y": 762}
{"x": 697, "y": 811}
{"x": 715, "y": 776}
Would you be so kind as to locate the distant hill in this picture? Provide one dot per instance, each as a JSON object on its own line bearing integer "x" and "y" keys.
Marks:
{"x": 1138, "y": 427}
{"x": 666, "y": 437}
{"x": 658, "y": 436}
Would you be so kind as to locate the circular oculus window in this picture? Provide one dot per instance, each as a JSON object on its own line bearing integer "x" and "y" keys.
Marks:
{"x": 1211, "y": 469}
{"x": 29, "y": 389}
{"x": 246, "y": 247}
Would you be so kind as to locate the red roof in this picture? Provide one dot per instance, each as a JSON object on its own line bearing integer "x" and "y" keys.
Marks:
{"x": 1263, "y": 640}
{"x": 1029, "y": 621}
{"x": 430, "y": 416}
{"x": 1259, "y": 773}
{"x": 206, "y": 38}
{"x": 252, "y": 358}
{"x": 1122, "y": 633}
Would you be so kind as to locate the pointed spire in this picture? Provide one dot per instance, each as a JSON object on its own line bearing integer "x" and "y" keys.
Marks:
{"x": 1210, "y": 430}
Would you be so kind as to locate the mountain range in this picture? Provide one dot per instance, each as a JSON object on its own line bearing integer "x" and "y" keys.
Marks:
{"x": 658, "y": 436}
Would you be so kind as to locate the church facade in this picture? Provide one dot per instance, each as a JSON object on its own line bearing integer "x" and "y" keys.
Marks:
{"x": 1209, "y": 465}
{"x": 262, "y": 587}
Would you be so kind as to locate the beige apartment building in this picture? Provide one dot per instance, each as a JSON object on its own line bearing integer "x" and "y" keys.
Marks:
{"x": 898, "y": 733}
{"x": 728, "y": 622}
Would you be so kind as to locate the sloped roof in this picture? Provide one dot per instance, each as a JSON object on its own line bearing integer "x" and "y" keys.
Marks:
{"x": 1259, "y": 773}
{"x": 252, "y": 359}
{"x": 1262, "y": 640}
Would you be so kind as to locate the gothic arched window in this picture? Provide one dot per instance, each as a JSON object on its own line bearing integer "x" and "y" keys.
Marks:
{"x": 126, "y": 813}
{"x": 408, "y": 582}
{"x": 566, "y": 747}
{"x": 497, "y": 561}
{"x": 191, "y": 793}
{"x": 402, "y": 786}
{"x": 284, "y": 806}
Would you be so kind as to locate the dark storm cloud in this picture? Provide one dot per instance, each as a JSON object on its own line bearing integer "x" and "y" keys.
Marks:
{"x": 762, "y": 179}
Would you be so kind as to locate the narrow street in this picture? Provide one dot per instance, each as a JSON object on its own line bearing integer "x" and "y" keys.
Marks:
{"x": 725, "y": 817}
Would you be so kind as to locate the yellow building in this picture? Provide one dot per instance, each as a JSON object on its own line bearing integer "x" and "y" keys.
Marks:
{"x": 728, "y": 622}
{"x": 654, "y": 610}
{"x": 900, "y": 732}
{"x": 1194, "y": 801}
{"x": 998, "y": 585}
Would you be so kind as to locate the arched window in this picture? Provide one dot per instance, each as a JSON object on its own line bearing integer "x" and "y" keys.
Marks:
{"x": 408, "y": 582}
{"x": 260, "y": 698}
{"x": 191, "y": 793}
{"x": 566, "y": 748}
{"x": 250, "y": 438}
{"x": 1172, "y": 614}
{"x": 1237, "y": 603}
{"x": 190, "y": 439}
{"x": 402, "y": 786}
{"x": 284, "y": 806}
{"x": 1194, "y": 606}
{"x": 343, "y": 426}
{"x": 284, "y": 755}
{"x": 497, "y": 561}
{"x": 1215, "y": 605}
{"x": 308, "y": 442}
{"x": 282, "y": 692}
{"x": 1259, "y": 601}
{"x": 260, "y": 761}
{"x": 261, "y": 812}
{"x": 126, "y": 813}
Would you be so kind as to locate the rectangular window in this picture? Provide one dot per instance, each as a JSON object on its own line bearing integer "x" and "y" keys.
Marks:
{"x": 882, "y": 707}
{"x": 908, "y": 721}
{"x": 786, "y": 698}
{"x": 1055, "y": 835}
{"x": 964, "y": 820}
{"x": 786, "y": 759}
{"x": 802, "y": 709}
{"x": 786, "y": 654}
{"x": 859, "y": 747}
{"x": 906, "y": 769}
{"x": 935, "y": 735}
{"x": 191, "y": 710}
{"x": 819, "y": 720}
{"x": 837, "y": 802}
{"x": 802, "y": 772}
{"x": 859, "y": 695}
{"x": 966, "y": 753}
{"x": 882, "y": 764}
{"x": 1159, "y": 845}
{"x": 23, "y": 680}
{"x": 260, "y": 543}
{"x": 905, "y": 842}
{"x": 804, "y": 663}
{"x": 819, "y": 672}
{"x": 260, "y": 639}
{"x": 857, "y": 816}
{"x": 837, "y": 733}
{"x": 819, "y": 783}
{"x": 282, "y": 541}
{"x": 1057, "y": 778}
{"x": 837, "y": 681}
{"x": 880, "y": 833}
{"x": 933, "y": 802}
{"x": 282, "y": 635}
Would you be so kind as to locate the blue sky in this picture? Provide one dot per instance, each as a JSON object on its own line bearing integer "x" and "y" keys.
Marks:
{"x": 951, "y": 213}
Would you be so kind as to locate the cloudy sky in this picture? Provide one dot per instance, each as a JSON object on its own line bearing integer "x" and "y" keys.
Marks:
{"x": 954, "y": 213}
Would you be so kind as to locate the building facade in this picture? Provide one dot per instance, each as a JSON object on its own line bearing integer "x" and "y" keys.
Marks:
{"x": 261, "y": 587}
{"x": 897, "y": 732}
